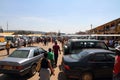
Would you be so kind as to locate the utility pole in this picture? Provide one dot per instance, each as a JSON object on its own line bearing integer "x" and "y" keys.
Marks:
{"x": 7, "y": 26}
{"x": 90, "y": 31}
{"x": 91, "y": 28}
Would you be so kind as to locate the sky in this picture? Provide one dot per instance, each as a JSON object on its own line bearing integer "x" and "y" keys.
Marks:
{"x": 67, "y": 16}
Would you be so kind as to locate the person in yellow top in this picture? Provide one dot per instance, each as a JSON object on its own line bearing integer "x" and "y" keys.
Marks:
{"x": 8, "y": 47}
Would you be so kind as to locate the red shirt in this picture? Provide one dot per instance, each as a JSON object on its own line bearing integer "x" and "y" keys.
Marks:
{"x": 56, "y": 48}
{"x": 116, "y": 69}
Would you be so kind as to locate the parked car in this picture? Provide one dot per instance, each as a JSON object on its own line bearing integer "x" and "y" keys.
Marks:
{"x": 22, "y": 61}
{"x": 76, "y": 45}
{"x": 89, "y": 64}
{"x": 13, "y": 41}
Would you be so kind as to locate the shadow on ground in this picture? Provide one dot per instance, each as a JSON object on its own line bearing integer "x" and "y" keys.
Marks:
{"x": 14, "y": 77}
{"x": 3, "y": 55}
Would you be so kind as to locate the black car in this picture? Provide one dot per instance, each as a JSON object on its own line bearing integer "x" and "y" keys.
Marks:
{"x": 76, "y": 45}
{"x": 89, "y": 64}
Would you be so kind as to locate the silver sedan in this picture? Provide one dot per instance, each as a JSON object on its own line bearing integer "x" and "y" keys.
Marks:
{"x": 22, "y": 61}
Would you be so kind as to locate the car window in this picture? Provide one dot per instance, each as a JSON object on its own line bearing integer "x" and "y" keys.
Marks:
{"x": 68, "y": 43}
{"x": 20, "y": 54}
{"x": 110, "y": 56}
{"x": 101, "y": 45}
{"x": 41, "y": 50}
{"x": 99, "y": 57}
{"x": 77, "y": 45}
{"x": 79, "y": 55}
{"x": 88, "y": 44}
{"x": 36, "y": 52}
{"x": 10, "y": 38}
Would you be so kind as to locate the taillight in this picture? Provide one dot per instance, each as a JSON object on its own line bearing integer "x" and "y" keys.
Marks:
{"x": 66, "y": 67}
{"x": 18, "y": 67}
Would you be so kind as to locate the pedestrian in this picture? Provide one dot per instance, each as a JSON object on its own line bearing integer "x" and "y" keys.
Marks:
{"x": 25, "y": 43}
{"x": 8, "y": 47}
{"x": 116, "y": 69}
{"x": 51, "y": 56}
{"x": 45, "y": 41}
{"x": 18, "y": 43}
{"x": 46, "y": 68}
{"x": 56, "y": 49}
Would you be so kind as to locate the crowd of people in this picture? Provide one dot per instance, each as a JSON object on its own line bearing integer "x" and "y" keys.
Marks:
{"x": 112, "y": 43}
{"x": 49, "y": 62}
{"x": 51, "y": 57}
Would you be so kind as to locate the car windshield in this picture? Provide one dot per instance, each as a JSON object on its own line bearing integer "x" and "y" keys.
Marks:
{"x": 87, "y": 44}
{"x": 79, "y": 55}
{"x": 20, "y": 54}
{"x": 10, "y": 38}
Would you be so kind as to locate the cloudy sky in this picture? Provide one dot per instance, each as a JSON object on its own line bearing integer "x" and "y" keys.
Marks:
{"x": 68, "y": 16}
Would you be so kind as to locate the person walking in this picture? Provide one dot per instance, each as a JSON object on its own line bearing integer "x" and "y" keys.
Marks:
{"x": 8, "y": 47}
{"x": 56, "y": 49}
{"x": 116, "y": 69}
{"x": 18, "y": 43}
{"x": 51, "y": 56}
{"x": 46, "y": 68}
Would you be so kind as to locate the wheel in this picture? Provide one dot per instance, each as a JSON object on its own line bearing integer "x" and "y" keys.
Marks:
{"x": 87, "y": 76}
{"x": 33, "y": 70}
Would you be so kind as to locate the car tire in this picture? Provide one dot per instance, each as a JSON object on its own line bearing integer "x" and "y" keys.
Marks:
{"x": 87, "y": 76}
{"x": 33, "y": 70}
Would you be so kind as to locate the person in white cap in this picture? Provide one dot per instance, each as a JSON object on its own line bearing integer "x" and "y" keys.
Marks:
{"x": 116, "y": 69}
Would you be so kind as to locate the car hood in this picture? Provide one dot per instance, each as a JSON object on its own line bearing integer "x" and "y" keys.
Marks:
{"x": 12, "y": 60}
{"x": 69, "y": 58}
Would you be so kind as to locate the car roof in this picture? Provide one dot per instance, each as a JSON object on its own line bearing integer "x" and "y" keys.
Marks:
{"x": 91, "y": 51}
{"x": 28, "y": 48}
{"x": 77, "y": 40}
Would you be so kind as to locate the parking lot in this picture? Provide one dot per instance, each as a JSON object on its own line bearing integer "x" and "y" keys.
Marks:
{"x": 58, "y": 73}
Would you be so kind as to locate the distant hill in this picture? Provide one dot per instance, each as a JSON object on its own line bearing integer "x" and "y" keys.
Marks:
{"x": 34, "y": 32}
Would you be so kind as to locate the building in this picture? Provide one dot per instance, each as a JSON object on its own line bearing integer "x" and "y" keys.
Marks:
{"x": 112, "y": 27}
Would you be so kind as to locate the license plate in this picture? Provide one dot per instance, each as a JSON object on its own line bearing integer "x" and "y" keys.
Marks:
{"x": 7, "y": 67}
